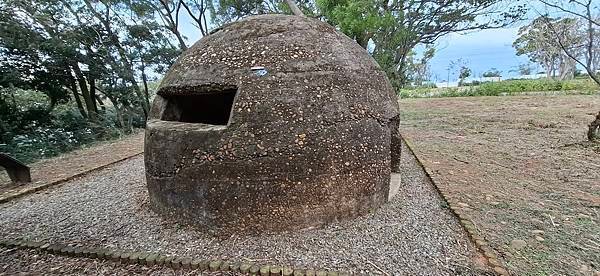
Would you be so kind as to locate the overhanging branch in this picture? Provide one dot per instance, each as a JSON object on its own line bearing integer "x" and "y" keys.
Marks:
{"x": 294, "y": 8}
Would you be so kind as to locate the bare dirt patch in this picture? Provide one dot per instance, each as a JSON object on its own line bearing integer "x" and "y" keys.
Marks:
{"x": 522, "y": 169}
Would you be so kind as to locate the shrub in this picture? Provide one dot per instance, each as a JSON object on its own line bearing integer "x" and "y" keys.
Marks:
{"x": 501, "y": 88}
{"x": 30, "y": 131}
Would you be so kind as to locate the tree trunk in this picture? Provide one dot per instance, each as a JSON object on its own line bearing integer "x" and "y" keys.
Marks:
{"x": 77, "y": 99}
{"x": 101, "y": 103}
{"x": 145, "y": 82}
{"x": 118, "y": 111}
{"x": 126, "y": 66}
{"x": 200, "y": 19}
{"x": 401, "y": 67}
{"x": 594, "y": 77}
{"x": 51, "y": 105}
{"x": 294, "y": 8}
{"x": 89, "y": 102}
{"x": 594, "y": 128}
{"x": 172, "y": 22}
{"x": 548, "y": 69}
{"x": 182, "y": 44}
{"x": 363, "y": 40}
{"x": 93, "y": 95}
{"x": 590, "y": 33}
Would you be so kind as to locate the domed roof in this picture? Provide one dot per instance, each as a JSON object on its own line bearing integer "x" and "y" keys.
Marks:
{"x": 303, "y": 58}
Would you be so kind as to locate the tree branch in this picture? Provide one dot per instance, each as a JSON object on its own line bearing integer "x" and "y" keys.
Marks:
{"x": 294, "y": 8}
{"x": 198, "y": 19}
{"x": 569, "y": 54}
{"x": 549, "y": 4}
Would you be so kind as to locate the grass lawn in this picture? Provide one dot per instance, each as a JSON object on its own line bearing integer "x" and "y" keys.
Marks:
{"x": 523, "y": 170}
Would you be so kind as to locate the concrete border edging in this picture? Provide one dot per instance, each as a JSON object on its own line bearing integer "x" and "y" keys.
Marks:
{"x": 16, "y": 194}
{"x": 175, "y": 262}
{"x": 463, "y": 219}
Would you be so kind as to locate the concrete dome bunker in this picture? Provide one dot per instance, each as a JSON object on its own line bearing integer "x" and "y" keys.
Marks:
{"x": 309, "y": 138}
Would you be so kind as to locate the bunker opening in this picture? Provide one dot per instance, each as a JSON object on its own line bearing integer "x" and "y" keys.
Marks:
{"x": 213, "y": 108}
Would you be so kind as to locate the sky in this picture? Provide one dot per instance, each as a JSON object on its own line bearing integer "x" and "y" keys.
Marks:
{"x": 486, "y": 49}
{"x": 481, "y": 50}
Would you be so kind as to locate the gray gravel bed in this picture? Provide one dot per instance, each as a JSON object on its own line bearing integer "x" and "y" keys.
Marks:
{"x": 412, "y": 234}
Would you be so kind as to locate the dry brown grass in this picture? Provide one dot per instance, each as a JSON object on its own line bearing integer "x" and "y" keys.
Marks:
{"x": 519, "y": 164}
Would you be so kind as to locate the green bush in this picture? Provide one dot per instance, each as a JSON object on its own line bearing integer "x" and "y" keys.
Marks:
{"x": 30, "y": 131}
{"x": 502, "y": 88}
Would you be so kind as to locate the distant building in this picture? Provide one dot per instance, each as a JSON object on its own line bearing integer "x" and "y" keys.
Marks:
{"x": 530, "y": 77}
{"x": 446, "y": 84}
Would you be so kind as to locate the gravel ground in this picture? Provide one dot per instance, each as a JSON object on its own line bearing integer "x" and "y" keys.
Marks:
{"x": 412, "y": 234}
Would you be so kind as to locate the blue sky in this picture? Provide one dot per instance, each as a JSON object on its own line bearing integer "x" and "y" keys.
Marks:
{"x": 481, "y": 50}
{"x": 485, "y": 49}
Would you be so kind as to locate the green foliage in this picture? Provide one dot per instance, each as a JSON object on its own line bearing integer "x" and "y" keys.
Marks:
{"x": 225, "y": 11}
{"x": 503, "y": 88}
{"x": 25, "y": 60}
{"x": 465, "y": 72}
{"x": 418, "y": 70}
{"x": 76, "y": 71}
{"x": 525, "y": 69}
{"x": 29, "y": 131}
{"x": 85, "y": 49}
{"x": 492, "y": 73}
{"x": 359, "y": 19}
{"x": 539, "y": 41}
{"x": 392, "y": 29}
{"x": 65, "y": 132}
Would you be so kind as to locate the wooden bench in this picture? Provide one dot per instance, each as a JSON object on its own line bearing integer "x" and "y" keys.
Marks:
{"x": 17, "y": 171}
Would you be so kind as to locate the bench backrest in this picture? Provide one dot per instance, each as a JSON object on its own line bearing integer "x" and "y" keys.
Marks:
{"x": 17, "y": 170}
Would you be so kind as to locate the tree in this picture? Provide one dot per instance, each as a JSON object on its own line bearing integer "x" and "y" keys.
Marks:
{"x": 524, "y": 69}
{"x": 96, "y": 49}
{"x": 492, "y": 73}
{"x": 459, "y": 67}
{"x": 418, "y": 71}
{"x": 464, "y": 73}
{"x": 169, "y": 12}
{"x": 395, "y": 27}
{"x": 33, "y": 56}
{"x": 536, "y": 41}
{"x": 294, "y": 8}
{"x": 225, "y": 11}
{"x": 581, "y": 11}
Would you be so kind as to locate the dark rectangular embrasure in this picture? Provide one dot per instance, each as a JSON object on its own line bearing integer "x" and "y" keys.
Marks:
{"x": 212, "y": 108}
